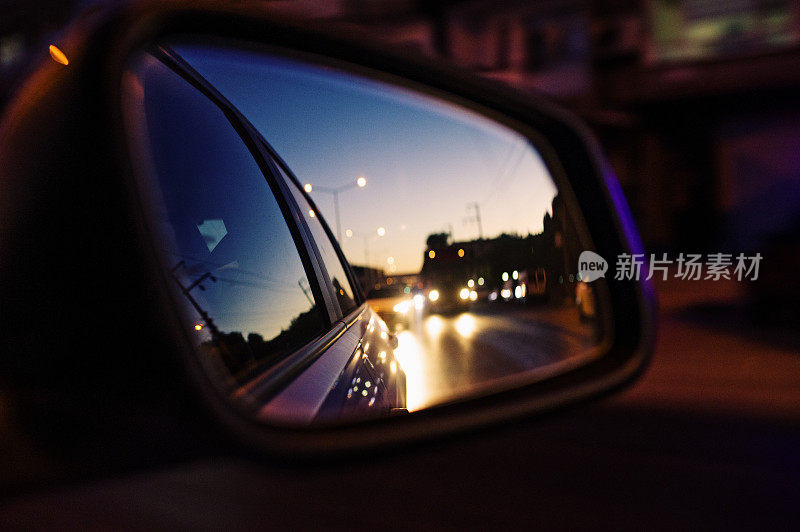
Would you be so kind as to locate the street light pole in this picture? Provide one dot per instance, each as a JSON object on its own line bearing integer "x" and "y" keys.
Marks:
{"x": 361, "y": 182}
{"x": 366, "y": 250}
{"x": 380, "y": 232}
{"x": 338, "y": 220}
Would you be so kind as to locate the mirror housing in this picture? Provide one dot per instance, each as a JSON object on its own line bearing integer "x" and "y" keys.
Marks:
{"x": 86, "y": 263}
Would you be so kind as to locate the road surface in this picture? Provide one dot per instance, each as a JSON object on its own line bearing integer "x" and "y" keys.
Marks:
{"x": 446, "y": 356}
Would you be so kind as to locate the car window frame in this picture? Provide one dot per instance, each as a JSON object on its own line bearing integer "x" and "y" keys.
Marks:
{"x": 314, "y": 269}
{"x": 358, "y": 296}
{"x": 271, "y": 165}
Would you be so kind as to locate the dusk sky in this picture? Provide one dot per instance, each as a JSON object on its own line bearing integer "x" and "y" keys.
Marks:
{"x": 424, "y": 160}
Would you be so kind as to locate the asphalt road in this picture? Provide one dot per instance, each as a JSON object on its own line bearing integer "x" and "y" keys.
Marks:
{"x": 446, "y": 356}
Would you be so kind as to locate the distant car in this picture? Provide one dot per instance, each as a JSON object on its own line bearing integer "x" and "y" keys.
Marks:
{"x": 393, "y": 303}
{"x": 509, "y": 290}
{"x": 536, "y": 283}
{"x": 448, "y": 296}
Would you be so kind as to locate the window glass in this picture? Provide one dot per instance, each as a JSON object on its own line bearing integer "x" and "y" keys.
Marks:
{"x": 344, "y": 290}
{"x": 228, "y": 247}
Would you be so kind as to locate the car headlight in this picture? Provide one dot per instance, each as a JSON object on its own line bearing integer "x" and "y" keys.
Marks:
{"x": 433, "y": 295}
{"x": 419, "y": 301}
{"x": 464, "y": 294}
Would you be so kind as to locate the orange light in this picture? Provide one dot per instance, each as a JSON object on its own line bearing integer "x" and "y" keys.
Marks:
{"x": 58, "y": 56}
{"x": 311, "y": 213}
{"x": 389, "y": 280}
{"x": 198, "y": 327}
{"x": 431, "y": 254}
{"x": 460, "y": 252}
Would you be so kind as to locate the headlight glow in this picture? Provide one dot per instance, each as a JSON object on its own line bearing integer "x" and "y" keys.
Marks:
{"x": 433, "y": 295}
{"x": 464, "y": 294}
{"x": 402, "y": 307}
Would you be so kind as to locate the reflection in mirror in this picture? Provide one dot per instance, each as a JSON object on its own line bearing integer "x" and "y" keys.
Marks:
{"x": 465, "y": 248}
{"x": 227, "y": 248}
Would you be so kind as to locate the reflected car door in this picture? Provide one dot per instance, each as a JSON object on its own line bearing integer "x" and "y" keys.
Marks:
{"x": 229, "y": 240}
{"x": 262, "y": 287}
{"x": 372, "y": 381}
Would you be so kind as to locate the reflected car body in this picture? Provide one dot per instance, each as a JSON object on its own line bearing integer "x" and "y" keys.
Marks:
{"x": 373, "y": 381}
{"x": 277, "y": 316}
{"x": 371, "y": 384}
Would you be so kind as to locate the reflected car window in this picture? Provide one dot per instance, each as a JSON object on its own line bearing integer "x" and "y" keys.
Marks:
{"x": 339, "y": 280}
{"x": 228, "y": 247}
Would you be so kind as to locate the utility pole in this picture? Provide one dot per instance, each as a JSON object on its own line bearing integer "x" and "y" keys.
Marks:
{"x": 449, "y": 231}
{"x": 477, "y": 218}
{"x": 305, "y": 290}
{"x": 186, "y": 290}
{"x": 361, "y": 182}
{"x": 366, "y": 239}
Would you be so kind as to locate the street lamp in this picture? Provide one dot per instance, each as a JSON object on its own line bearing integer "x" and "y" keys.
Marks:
{"x": 361, "y": 182}
{"x": 366, "y": 238}
{"x": 349, "y": 233}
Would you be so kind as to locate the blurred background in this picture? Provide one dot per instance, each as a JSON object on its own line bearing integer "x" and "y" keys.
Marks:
{"x": 697, "y": 106}
{"x": 694, "y": 101}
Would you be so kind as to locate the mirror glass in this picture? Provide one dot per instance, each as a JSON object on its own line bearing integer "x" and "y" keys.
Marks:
{"x": 345, "y": 246}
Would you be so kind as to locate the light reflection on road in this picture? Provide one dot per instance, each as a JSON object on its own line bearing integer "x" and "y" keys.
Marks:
{"x": 447, "y": 356}
{"x": 411, "y": 355}
{"x": 465, "y": 325}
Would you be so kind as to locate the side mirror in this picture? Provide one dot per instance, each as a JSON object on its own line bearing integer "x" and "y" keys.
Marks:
{"x": 464, "y": 274}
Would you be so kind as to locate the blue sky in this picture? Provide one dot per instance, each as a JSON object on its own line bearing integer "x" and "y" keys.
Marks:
{"x": 424, "y": 159}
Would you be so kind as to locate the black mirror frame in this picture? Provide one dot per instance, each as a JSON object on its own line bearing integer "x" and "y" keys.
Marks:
{"x": 99, "y": 47}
